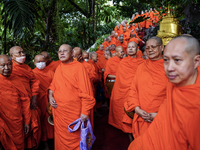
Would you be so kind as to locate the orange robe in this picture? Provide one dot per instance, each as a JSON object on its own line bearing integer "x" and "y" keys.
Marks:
{"x": 53, "y": 65}
{"x": 45, "y": 77}
{"x": 101, "y": 61}
{"x": 134, "y": 40}
{"x": 148, "y": 91}
{"x": 124, "y": 77}
{"x": 111, "y": 68}
{"x": 105, "y": 44}
{"x": 176, "y": 126}
{"x": 113, "y": 40}
{"x": 31, "y": 84}
{"x": 73, "y": 94}
{"x": 126, "y": 35}
{"x": 14, "y": 112}
{"x": 124, "y": 45}
{"x": 100, "y": 53}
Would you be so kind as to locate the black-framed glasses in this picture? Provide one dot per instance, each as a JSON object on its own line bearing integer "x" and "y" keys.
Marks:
{"x": 152, "y": 47}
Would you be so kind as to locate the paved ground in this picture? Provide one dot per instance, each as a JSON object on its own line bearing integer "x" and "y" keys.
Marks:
{"x": 107, "y": 137}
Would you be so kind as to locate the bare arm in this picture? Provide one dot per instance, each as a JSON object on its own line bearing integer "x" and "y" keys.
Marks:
{"x": 111, "y": 76}
{"x": 52, "y": 100}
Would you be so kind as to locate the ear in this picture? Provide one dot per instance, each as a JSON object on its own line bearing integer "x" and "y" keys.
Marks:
{"x": 196, "y": 61}
{"x": 162, "y": 48}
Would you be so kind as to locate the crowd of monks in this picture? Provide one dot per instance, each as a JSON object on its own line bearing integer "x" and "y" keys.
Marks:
{"x": 159, "y": 86}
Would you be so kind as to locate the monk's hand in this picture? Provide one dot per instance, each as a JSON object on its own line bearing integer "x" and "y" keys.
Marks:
{"x": 26, "y": 128}
{"x": 83, "y": 117}
{"x": 152, "y": 116}
{"x": 34, "y": 102}
{"x": 52, "y": 102}
{"x": 143, "y": 114}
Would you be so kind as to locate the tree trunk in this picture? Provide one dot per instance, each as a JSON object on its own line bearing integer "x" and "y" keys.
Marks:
{"x": 5, "y": 28}
{"x": 93, "y": 20}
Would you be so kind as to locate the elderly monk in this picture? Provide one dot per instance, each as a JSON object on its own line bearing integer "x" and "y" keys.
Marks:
{"x": 176, "y": 126}
{"x": 45, "y": 76}
{"x": 31, "y": 84}
{"x": 51, "y": 65}
{"x": 71, "y": 97}
{"x": 85, "y": 56}
{"x": 14, "y": 107}
{"x": 100, "y": 51}
{"x": 77, "y": 54}
{"x": 124, "y": 77}
{"x": 103, "y": 59}
{"x": 148, "y": 89}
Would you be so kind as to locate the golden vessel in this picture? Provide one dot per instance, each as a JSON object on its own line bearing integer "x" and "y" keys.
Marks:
{"x": 169, "y": 28}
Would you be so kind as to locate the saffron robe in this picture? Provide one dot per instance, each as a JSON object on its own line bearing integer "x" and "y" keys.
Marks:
{"x": 31, "y": 85}
{"x": 100, "y": 53}
{"x": 148, "y": 91}
{"x": 124, "y": 45}
{"x": 124, "y": 77}
{"x": 53, "y": 65}
{"x": 73, "y": 94}
{"x": 45, "y": 76}
{"x": 14, "y": 112}
{"x": 176, "y": 126}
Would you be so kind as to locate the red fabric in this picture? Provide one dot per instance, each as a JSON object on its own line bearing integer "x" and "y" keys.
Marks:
{"x": 14, "y": 112}
{"x": 73, "y": 94}
{"x": 148, "y": 91}
{"x": 45, "y": 77}
{"x": 176, "y": 126}
{"x": 31, "y": 85}
{"x": 124, "y": 77}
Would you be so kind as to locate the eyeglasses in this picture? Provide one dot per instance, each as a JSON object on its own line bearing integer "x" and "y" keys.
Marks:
{"x": 152, "y": 47}
{"x": 4, "y": 65}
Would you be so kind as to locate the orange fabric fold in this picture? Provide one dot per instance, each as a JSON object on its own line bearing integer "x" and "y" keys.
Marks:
{"x": 124, "y": 77}
{"x": 176, "y": 126}
{"x": 45, "y": 77}
{"x": 73, "y": 94}
{"x": 53, "y": 65}
{"x": 31, "y": 85}
{"x": 14, "y": 112}
{"x": 124, "y": 45}
{"x": 148, "y": 91}
{"x": 100, "y": 53}
{"x": 102, "y": 61}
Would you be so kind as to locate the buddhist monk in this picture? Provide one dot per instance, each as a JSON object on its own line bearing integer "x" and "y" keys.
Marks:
{"x": 148, "y": 88}
{"x": 124, "y": 77}
{"x": 77, "y": 53}
{"x": 126, "y": 34}
{"x": 119, "y": 30}
{"x": 145, "y": 55}
{"x": 71, "y": 97}
{"x": 52, "y": 65}
{"x": 112, "y": 48}
{"x": 176, "y": 126}
{"x": 100, "y": 51}
{"x": 103, "y": 59}
{"x": 31, "y": 84}
{"x": 45, "y": 76}
{"x": 94, "y": 58}
{"x": 122, "y": 43}
{"x": 85, "y": 56}
{"x": 105, "y": 43}
{"x": 112, "y": 36}
{"x": 14, "y": 107}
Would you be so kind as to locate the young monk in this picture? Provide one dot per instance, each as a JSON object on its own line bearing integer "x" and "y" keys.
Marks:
{"x": 31, "y": 84}
{"x": 15, "y": 110}
{"x": 124, "y": 77}
{"x": 148, "y": 89}
{"x": 51, "y": 65}
{"x": 176, "y": 126}
{"x": 71, "y": 97}
{"x": 45, "y": 76}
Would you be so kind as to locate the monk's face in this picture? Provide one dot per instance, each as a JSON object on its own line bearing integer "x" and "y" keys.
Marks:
{"x": 94, "y": 57}
{"x": 65, "y": 53}
{"x": 121, "y": 39}
{"x": 113, "y": 47}
{"x": 145, "y": 55}
{"x": 124, "y": 29}
{"x": 132, "y": 48}
{"x": 18, "y": 55}
{"x": 109, "y": 39}
{"x": 77, "y": 54}
{"x": 153, "y": 50}
{"x": 101, "y": 47}
{"x": 109, "y": 47}
{"x": 179, "y": 65}
{"x": 5, "y": 66}
{"x": 113, "y": 54}
{"x": 85, "y": 55}
{"x": 119, "y": 52}
{"x": 105, "y": 40}
{"x": 112, "y": 33}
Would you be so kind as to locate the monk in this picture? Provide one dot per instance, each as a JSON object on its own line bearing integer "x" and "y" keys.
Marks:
{"x": 71, "y": 97}
{"x": 31, "y": 84}
{"x": 105, "y": 43}
{"x": 144, "y": 56}
{"x": 77, "y": 54}
{"x": 126, "y": 34}
{"x": 112, "y": 48}
{"x": 110, "y": 41}
{"x": 85, "y": 56}
{"x": 15, "y": 110}
{"x": 103, "y": 59}
{"x": 45, "y": 76}
{"x": 52, "y": 65}
{"x": 119, "y": 30}
{"x": 124, "y": 77}
{"x": 112, "y": 36}
{"x": 100, "y": 51}
{"x": 122, "y": 43}
{"x": 148, "y": 88}
{"x": 175, "y": 126}
{"x": 93, "y": 61}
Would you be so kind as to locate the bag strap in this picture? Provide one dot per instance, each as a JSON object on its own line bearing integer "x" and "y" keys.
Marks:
{"x": 77, "y": 124}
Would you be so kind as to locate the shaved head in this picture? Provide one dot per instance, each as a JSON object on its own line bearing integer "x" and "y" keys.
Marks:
{"x": 77, "y": 50}
{"x": 5, "y": 65}
{"x": 85, "y": 55}
{"x": 77, "y": 54}
{"x": 119, "y": 51}
{"x": 157, "y": 39}
{"x": 39, "y": 57}
{"x": 107, "y": 54}
{"x": 45, "y": 54}
{"x": 13, "y": 49}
